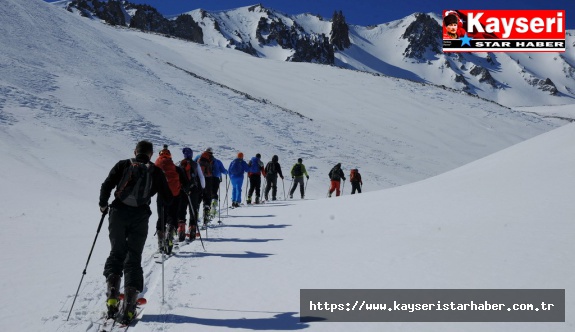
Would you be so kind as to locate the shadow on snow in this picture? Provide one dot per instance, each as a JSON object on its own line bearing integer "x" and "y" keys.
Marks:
{"x": 245, "y": 254}
{"x": 240, "y": 240}
{"x": 259, "y": 226}
{"x": 280, "y": 322}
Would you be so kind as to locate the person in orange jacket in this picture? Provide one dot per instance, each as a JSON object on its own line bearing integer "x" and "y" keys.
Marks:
{"x": 168, "y": 213}
{"x": 355, "y": 179}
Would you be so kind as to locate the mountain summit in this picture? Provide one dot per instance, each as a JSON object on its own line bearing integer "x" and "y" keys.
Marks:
{"x": 406, "y": 48}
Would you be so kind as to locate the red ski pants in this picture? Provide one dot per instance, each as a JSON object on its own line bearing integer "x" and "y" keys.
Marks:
{"x": 334, "y": 186}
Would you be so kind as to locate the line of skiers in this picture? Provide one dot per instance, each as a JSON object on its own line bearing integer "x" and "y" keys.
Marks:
{"x": 180, "y": 188}
{"x": 335, "y": 177}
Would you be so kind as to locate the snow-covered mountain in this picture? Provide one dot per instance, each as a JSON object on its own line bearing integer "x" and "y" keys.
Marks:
{"x": 409, "y": 48}
{"x": 481, "y": 197}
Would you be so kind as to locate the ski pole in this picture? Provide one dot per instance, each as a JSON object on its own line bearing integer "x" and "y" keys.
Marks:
{"x": 219, "y": 206}
{"x": 163, "y": 228}
{"x": 88, "y": 261}
{"x": 196, "y": 219}
{"x": 227, "y": 186}
{"x": 305, "y": 188}
{"x": 264, "y": 186}
{"x": 227, "y": 204}
{"x": 246, "y": 195}
{"x": 343, "y": 187}
{"x": 284, "y": 187}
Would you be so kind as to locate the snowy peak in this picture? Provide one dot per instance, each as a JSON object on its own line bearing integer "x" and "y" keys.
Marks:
{"x": 422, "y": 36}
{"x": 263, "y": 32}
{"x": 408, "y": 48}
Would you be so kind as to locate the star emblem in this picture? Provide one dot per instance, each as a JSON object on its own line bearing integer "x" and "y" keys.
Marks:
{"x": 465, "y": 40}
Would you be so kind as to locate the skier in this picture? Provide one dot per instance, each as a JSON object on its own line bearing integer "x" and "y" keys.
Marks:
{"x": 128, "y": 224}
{"x": 256, "y": 169}
{"x": 355, "y": 180}
{"x": 193, "y": 188}
{"x": 335, "y": 176}
{"x": 273, "y": 169}
{"x": 219, "y": 169}
{"x": 206, "y": 161}
{"x": 168, "y": 212}
{"x": 236, "y": 170}
{"x": 297, "y": 172}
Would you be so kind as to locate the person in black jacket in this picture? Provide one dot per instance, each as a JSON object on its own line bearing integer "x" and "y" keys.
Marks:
{"x": 335, "y": 176}
{"x": 273, "y": 169}
{"x": 136, "y": 180}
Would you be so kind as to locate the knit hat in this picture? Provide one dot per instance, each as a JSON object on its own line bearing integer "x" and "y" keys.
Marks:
{"x": 299, "y": 160}
{"x": 450, "y": 19}
{"x": 209, "y": 150}
{"x": 241, "y": 155}
{"x": 165, "y": 152}
{"x": 258, "y": 155}
{"x": 188, "y": 153}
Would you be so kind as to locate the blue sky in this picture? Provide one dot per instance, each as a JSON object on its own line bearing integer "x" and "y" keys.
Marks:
{"x": 362, "y": 12}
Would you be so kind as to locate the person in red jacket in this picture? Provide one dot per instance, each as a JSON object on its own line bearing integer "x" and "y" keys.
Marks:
{"x": 168, "y": 213}
{"x": 355, "y": 180}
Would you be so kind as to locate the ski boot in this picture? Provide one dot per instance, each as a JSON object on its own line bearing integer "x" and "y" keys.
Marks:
{"x": 181, "y": 230}
{"x": 257, "y": 200}
{"x": 113, "y": 294}
{"x": 130, "y": 303}
{"x": 206, "y": 217}
{"x": 161, "y": 238}
{"x": 192, "y": 231}
{"x": 170, "y": 239}
{"x": 214, "y": 208}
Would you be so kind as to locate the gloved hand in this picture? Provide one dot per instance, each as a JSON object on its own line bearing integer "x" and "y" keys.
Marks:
{"x": 104, "y": 209}
{"x": 344, "y": 179}
{"x": 282, "y": 177}
{"x": 292, "y": 177}
{"x": 307, "y": 176}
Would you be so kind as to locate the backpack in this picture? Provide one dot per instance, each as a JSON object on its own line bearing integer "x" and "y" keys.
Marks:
{"x": 254, "y": 166}
{"x": 236, "y": 168}
{"x": 190, "y": 168}
{"x": 354, "y": 175}
{"x": 206, "y": 164}
{"x": 271, "y": 168}
{"x": 136, "y": 183}
{"x": 334, "y": 174}
{"x": 296, "y": 171}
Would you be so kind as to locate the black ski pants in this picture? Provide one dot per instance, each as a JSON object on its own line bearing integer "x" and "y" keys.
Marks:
{"x": 211, "y": 183}
{"x": 271, "y": 183}
{"x": 255, "y": 184}
{"x": 170, "y": 212}
{"x": 355, "y": 187}
{"x": 195, "y": 197}
{"x": 128, "y": 227}
{"x": 297, "y": 180}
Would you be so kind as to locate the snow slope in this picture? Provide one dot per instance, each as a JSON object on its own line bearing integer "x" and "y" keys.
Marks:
{"x": 77, "y": 95}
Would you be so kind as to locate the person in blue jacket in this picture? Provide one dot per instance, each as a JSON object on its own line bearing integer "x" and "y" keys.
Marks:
{"x": 236, "y": 171}
{"x": 255, "y": 176}
{"x": 218, "y": 170}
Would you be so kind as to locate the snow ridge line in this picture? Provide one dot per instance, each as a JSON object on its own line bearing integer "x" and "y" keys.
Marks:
{"x": 248, "y": 96}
